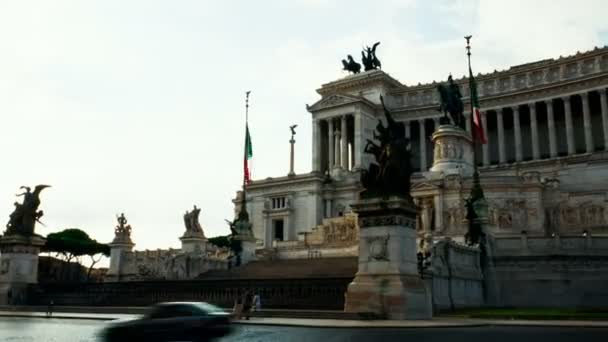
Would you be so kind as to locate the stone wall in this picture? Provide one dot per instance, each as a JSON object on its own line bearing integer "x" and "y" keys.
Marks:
{"x": 559, "y": 271}
{"x": 171, "y": 263}
{"x": 455, "y": 276}
{"x": 326, "y": 293}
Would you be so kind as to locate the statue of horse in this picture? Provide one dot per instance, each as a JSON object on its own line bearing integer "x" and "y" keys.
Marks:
{"x": 351, "y": 65}
{"x": 450, "y": 102}
{"x": 390, "y": 174}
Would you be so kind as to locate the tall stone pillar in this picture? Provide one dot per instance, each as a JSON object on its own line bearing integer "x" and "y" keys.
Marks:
{"x": 344, "y": 135}
{"x": 534, "y": 131}
{"x": 587, "y": 123}
{"x": 502, "y": 156}
{"x": 485, "y": 147}
{"x": 604, "y": 106}
{"x": 408, "y": 130}
{"x": 330, "y": 139}
{"x": 338, "y": 159}
{"x": 387, "y": 282}
{"x": 423, "y": 165}
{"x": 292, "y": 143}
{"x": 569, "y": 127}
{"x": 551, "y": 129}
{"x": 517, "y": 131}
{"x": 357, "y": 137}
{"x": 316, "y": 151}
{"x": 433, "y": 146}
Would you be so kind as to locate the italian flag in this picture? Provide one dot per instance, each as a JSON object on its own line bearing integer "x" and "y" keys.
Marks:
{"x": 247, "y": 157}
{"x": 478, "y": 132}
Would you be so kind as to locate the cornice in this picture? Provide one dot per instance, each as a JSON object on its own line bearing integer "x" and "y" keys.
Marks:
{"x": 297, "y": 180}
{"x": 516, "y": 69}
{"x": 338, "y": 100}
{"x": 358, "y": 81}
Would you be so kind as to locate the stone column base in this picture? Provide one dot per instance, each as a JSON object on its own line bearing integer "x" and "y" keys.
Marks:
{"x": 18, "y": 266}
{"x": 390, "y": 296}
{"x": 248, "y": 245}
{"x": 387, "y": 282}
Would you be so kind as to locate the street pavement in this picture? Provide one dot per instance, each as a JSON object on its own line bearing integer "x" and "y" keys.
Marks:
{"x": 20, "y": 329}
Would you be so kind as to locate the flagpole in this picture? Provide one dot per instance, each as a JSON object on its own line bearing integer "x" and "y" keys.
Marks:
{"x": 246, "y": 128}
{"x": 471, "y": 117}
{"x": 476, "y": 182}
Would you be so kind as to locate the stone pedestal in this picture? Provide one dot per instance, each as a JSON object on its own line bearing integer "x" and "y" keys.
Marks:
{"x": 453, "y": 151}
{"x": 194, "y": 243}
{"x": 248, "y": 245}
{"x": 118, "y": 251}
{"x": 18, "y": 266}
{"x": 387, "y": 282}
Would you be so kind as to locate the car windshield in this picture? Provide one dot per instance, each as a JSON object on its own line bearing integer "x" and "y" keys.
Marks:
{"x": 177, "y": 310}
{"x": 209, "y": 308}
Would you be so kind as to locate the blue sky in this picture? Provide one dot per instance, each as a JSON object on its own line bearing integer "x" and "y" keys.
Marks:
{"x": 138, "y": 106}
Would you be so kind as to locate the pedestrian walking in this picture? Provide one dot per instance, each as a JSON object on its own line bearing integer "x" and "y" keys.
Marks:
{"x": 257, "y": 303}
{"x": 237, "y": 311}
{"x": 247, "y": 302}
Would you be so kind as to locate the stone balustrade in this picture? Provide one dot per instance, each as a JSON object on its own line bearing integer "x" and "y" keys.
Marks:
{"x": 541, "y": 245}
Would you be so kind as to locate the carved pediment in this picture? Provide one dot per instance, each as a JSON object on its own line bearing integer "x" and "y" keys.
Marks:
{"x": 333, "y": 101}
{"x": 423, "y": 186}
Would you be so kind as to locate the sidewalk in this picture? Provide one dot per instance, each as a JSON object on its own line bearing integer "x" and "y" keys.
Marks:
{"x": 439, "y": 322}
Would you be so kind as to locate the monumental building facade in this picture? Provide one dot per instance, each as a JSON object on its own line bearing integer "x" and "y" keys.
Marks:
{"x": 544, "y": 168}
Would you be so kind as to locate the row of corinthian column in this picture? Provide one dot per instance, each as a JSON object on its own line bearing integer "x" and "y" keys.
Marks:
{"x": 534, "y": 132}
{"x": 337, "y": 138}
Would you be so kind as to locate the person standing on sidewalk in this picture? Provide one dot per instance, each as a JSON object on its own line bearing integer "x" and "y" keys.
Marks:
{"x": 49, "y": 310}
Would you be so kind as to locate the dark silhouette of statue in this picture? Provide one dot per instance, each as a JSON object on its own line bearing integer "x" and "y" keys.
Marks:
{"x": 23, "y": 219}
{"x": 369, "y": 59}
{"x": 390, "y": 175}
{"x": 474, "y": 234}
{"x": 451, "y": 103}
{"x": 350, "y": 65}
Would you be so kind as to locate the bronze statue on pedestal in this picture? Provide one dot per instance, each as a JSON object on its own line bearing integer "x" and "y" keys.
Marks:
{"x": 451, "y": 103}
{"x": 23, "y": 219}
{"x": 390, "y": 175}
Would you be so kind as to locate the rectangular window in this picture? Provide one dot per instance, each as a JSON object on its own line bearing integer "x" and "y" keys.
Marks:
{"x": 279, "y": 203}
{"x": 278, "y": 229}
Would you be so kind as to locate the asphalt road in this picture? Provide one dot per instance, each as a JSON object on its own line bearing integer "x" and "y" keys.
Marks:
{"x": 69, "y": 330}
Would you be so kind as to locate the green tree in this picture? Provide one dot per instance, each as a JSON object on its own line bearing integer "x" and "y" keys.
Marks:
{"x": 73, "y": 243}
{"x": 221, "y": 241}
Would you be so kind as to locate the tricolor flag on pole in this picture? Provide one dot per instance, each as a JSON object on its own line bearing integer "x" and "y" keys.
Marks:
{"x": 478, "y": 132}
{"x": 248, "y": 148}
{"x": 247, "y": 157}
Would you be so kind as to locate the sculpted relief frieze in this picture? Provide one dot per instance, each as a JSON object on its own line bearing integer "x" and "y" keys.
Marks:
{"x": 512, "y": 214}
{"x": 378, "y": 247}
{"x": 454, "y": 218}
{"x": 448, "y": 149}
{"x": 335, "y": 232}
{"x": 576, "y": 217}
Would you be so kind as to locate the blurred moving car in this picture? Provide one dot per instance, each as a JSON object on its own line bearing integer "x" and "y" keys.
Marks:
{"x": 177, "y": 321}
